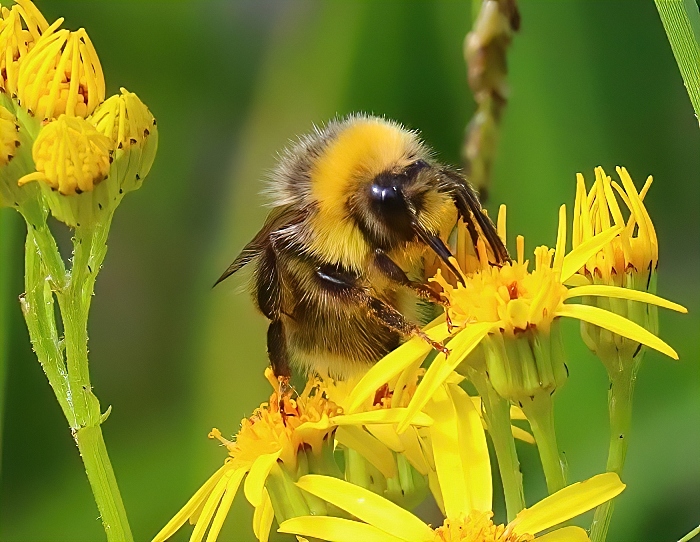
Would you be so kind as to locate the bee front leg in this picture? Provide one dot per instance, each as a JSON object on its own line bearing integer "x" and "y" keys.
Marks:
{"x": 390, "y": 269}
{"x": 345, "y": 284}
{"x": 278, "y": 355}
{"x": 393, "y": 319}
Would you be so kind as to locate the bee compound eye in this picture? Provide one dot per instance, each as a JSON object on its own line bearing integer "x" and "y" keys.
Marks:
{"x": 387, "y": 195}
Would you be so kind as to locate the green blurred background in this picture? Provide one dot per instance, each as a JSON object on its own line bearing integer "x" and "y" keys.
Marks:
{"x": 592, "y": 83}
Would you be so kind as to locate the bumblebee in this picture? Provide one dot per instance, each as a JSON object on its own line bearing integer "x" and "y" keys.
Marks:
{"x": 357, "y": 206}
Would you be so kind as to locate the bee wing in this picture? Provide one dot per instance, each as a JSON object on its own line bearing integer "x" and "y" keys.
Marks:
{"x": 279, "y": 218}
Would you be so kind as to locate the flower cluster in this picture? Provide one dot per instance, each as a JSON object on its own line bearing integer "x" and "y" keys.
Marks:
{"x": 402, "y": 426}
{"x": 57, "y": 129}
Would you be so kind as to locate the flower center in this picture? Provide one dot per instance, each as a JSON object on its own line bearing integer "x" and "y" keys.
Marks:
{"x": 477, "y": 527}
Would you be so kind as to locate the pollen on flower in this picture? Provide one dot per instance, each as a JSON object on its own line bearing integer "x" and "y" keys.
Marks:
{"x": 70, "y": 155}
{"x": 61, "y": 74}
{"x": 20, "y": 28}
{"x": 8, "y": 136}
{"x": 274, "y": 427}
{"x": 477, "y": 527}
{"x": 511, "y": 295}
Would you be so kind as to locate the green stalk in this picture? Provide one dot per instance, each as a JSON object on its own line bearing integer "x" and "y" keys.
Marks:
{"x": 620, "y": 397}
{"x": 497, "y": 415}
{"x": 681, "y": 21}
{"x": 540, "y": 413}
{"x": 69, "y": 377}
{"x": 103, "y": 483}
{"x": 692, "y": 534}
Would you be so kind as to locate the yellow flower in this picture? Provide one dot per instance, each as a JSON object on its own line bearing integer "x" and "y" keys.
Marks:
{"x": 20, "y": 28}
{"x": 71, "y": 156}
{"x": 509, "y": 301}
{"x": 61, "y": 74}
{"x": 464, "y": 494}
{"x": 285, "y": 439}
{"x": 9, "y": 139}
{"x": 629, "y": 260}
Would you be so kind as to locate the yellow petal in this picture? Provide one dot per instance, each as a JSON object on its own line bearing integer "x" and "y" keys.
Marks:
{"x": 521, "y": 434}
{"x": 567, "y": 534}
{"x": 368, "y": 447}
{"x": 576, "y": 280}
{"x": 567, "y": 503}
{"x": 441, "y": 368}
{"x": 473, "y": 449}
{"x": 449, "y": 463}
{"x": 335, "y": 529}
{"x": 262, "y": 518}
{"x": 561, "y": 240}
{"x": 624, "y": 293}
{"x": 195, "y": 501}
{"x": 577, "y": 258}
{"x": 255, "y": 482}
{"x": 413, "y": 451}
{"x": 210, "y": 507}
{"x": 225, "y": 506}
{"x": 617, "y": 324}
{"x": 391, "y": 365}
{"x": 367, "y": 506}
{"x": 386, "y": 415}
{"x": 516, "y": 413}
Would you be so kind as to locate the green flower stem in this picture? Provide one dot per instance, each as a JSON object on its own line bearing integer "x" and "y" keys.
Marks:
{"x": 38, "y": 309}
{"x": 104, "y": 485}
{"x": 540, "y": 413}
{"x": 69, "y": 377}
{"x": 497, "y": 415}
{"x": 35, "y": 213}
{"x": 620, "y": 398}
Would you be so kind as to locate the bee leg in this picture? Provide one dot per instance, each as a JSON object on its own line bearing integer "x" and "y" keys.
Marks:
{"x": 393, "y": 319}
{"x": 277, "y": 352}
{"x": 338, "y": 281}
{"x": 393, "y": 272}
{"x": 268, "y": 289}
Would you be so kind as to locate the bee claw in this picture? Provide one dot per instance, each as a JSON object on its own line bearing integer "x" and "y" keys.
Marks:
{"x": 285, "y": 389}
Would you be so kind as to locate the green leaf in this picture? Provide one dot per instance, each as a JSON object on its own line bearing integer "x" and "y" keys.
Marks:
{"x": 681, "y": 21}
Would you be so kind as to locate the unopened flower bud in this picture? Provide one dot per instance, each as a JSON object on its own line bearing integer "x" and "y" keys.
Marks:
{"x": 61, "y": 74}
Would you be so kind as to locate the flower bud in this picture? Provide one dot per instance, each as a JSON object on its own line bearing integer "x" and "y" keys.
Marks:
{"x": 61, "y": 74}
{"x": 20, "y": 29}
{"x": 71, "y": 159}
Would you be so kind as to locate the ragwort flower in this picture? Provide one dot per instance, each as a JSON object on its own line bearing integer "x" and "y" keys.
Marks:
{"x": 464, "y": 493}
{"x": 287, "y": 438}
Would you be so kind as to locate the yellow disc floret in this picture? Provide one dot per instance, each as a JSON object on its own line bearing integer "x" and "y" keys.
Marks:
{"x": 273, "y": 427}
{"x": 510, "y": 295}
{"x": 477, "y": 527}
{"x": 61, "y": 74}
{"x": 8, "y": 136}
{"x": 70, "y": 155}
